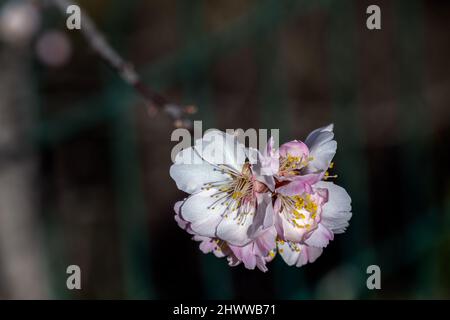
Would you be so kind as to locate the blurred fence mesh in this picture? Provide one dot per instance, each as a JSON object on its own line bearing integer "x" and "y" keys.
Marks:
{"x": 105, "y": 194}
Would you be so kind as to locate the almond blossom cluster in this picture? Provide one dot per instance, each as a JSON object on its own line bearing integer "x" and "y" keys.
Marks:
{"x": 248, "y": 211}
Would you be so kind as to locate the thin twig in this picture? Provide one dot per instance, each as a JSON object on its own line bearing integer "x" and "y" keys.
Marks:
{"x": 154, "y": 101}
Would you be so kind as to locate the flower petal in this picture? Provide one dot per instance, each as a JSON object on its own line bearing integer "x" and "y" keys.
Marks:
{"x": 261, "y": 264}
{"x": 183, "y": 224}
{"x": 267, "y": 241}
{"x": 191, "y": 173}
{"x": 256, "y": 253}
{"x": 246, "y": 254}
{"x": 262, "y": 169}
{"x": 298, "y": 184}
{"x": 208, "y": 245}
{"x": 322, "y": 148}
{"x": 337, "y": 210}
{"x": 289, "y": 255}
{"x": 308, "y": 255}
{"x": 294, "y": 148}
{"x": 204, "y": 212}
{"x": 234, "y": 226}
{"x": 320, "y": 237}
{"x": 315, "y": 136}
{"x": 289, "y": 231}
{"x": 298, "y": 254}
{"x": 268, "y": 161}
{"x": 264, "y": 217}
{"x": 220, "y": 148}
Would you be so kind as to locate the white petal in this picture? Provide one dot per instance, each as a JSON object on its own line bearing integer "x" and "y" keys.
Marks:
{"x": 234, "y": 231}
{"x": 220, "y": 148}
{"x": 199, "y": 210}
{"x": 322, "y": 155}
{"x": 313, "y": 136}
{"x": 190, "y": 172}
{"x": 337, "y": 211}
{"x": 322, "y": 148}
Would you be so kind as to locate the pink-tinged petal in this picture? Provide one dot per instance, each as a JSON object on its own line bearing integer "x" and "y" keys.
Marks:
{"x": 308, "y": 255}
{"x": 263, "y": 168}
{"x": 336, "y": 212}
{"x": 256, "y": 253}
{"x": 320, "y": 237}
{"x": 261, "y": 264}
{"x": 183, "y": 224}
{"x": 241, "y": 252}
{"x": 191, "y": 173}
{"x": 322, "y": 148}
{"x": 266, "y": 242}
{"x": 264, "y": 217}
{"x": 269, "y": 160}
{"x": 298, "y": 254}
{"x": 203, "y": 213}
{"x": 294, "y": 148}
{"x": 177, "y": 206}
{"x": 267, "y": 182}
{"x": 208, "y": 245}
{"x": 248, "y": 257}
{"x": 246, "y": 254}
{"x": 322, "y": 194}
{"x": 298, "y": 184}
{"x": 314, "y": 253}
{"x": 219, "y": 148}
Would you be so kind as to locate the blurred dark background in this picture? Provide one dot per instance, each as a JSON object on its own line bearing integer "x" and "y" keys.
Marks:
{"x": 84, "y": 171}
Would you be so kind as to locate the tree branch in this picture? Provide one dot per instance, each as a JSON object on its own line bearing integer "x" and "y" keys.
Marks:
{"x": 155, "y": 102}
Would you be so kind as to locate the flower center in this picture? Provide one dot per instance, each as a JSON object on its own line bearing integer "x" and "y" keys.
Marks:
{"x": 303, "y": 212}
{"x": 236, "y": 193}
{"x": 291, "y": 165}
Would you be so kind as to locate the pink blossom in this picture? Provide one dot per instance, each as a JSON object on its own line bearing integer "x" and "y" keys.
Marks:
{"x": 247, "y": 212}
{"x": 308, "y": 211}
{"x": 300, "y": 245}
